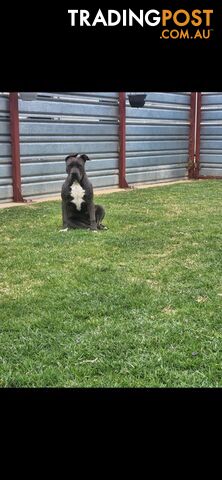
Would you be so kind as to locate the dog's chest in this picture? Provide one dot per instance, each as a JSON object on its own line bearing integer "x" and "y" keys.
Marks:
{"x": 77, "y": 193}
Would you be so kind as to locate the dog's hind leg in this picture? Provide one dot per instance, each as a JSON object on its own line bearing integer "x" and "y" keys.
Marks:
{"x": 100, "y": 214}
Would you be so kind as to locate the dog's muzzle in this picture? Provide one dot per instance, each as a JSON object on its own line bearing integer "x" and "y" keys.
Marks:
{"x": 75, "y": 175}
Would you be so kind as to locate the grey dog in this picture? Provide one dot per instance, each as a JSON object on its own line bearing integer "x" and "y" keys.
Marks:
{"x": 78, "y": 208}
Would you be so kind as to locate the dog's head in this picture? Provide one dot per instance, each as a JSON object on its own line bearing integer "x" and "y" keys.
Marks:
{"x": 75, "y": 166}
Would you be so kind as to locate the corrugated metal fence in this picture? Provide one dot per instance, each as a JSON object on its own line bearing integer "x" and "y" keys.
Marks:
{"x": 158, "y": 138}
{"x": 57, "y": 124}
{"x": 211, "y": 134}
{"x": 5, "y": 151}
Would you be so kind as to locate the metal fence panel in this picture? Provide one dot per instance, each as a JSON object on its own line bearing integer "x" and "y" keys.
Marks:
{"x": 58, "y": 124}
{"x": 211, "y": 134}
{"x": 6, "y": 193}
{"x": 157, "y": 138}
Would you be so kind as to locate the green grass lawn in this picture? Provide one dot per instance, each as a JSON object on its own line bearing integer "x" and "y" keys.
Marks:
{"x": 138, "y": 305}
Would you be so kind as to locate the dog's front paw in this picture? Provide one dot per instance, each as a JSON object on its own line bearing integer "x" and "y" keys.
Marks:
{"x": 93, "y": 227}
{"x": 92, "y": 230}
{"x": 64, "y": 230}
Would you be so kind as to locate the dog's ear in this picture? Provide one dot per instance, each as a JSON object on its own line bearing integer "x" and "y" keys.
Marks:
{"x": 85, "y": 157}
{"x": 66, "y": 160}
{"x": 72, "y": 155}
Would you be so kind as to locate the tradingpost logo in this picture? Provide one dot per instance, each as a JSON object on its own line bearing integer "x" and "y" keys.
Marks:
{"x": 183, "y": 24}
{"x": 172, "y": 24}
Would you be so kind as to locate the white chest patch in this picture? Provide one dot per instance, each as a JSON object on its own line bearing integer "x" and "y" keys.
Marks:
{"x": 77, "y": 193}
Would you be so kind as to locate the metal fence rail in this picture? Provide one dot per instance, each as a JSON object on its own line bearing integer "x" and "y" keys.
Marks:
{"x": 6, "y": 193}
{"x": 157, "y": 138}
